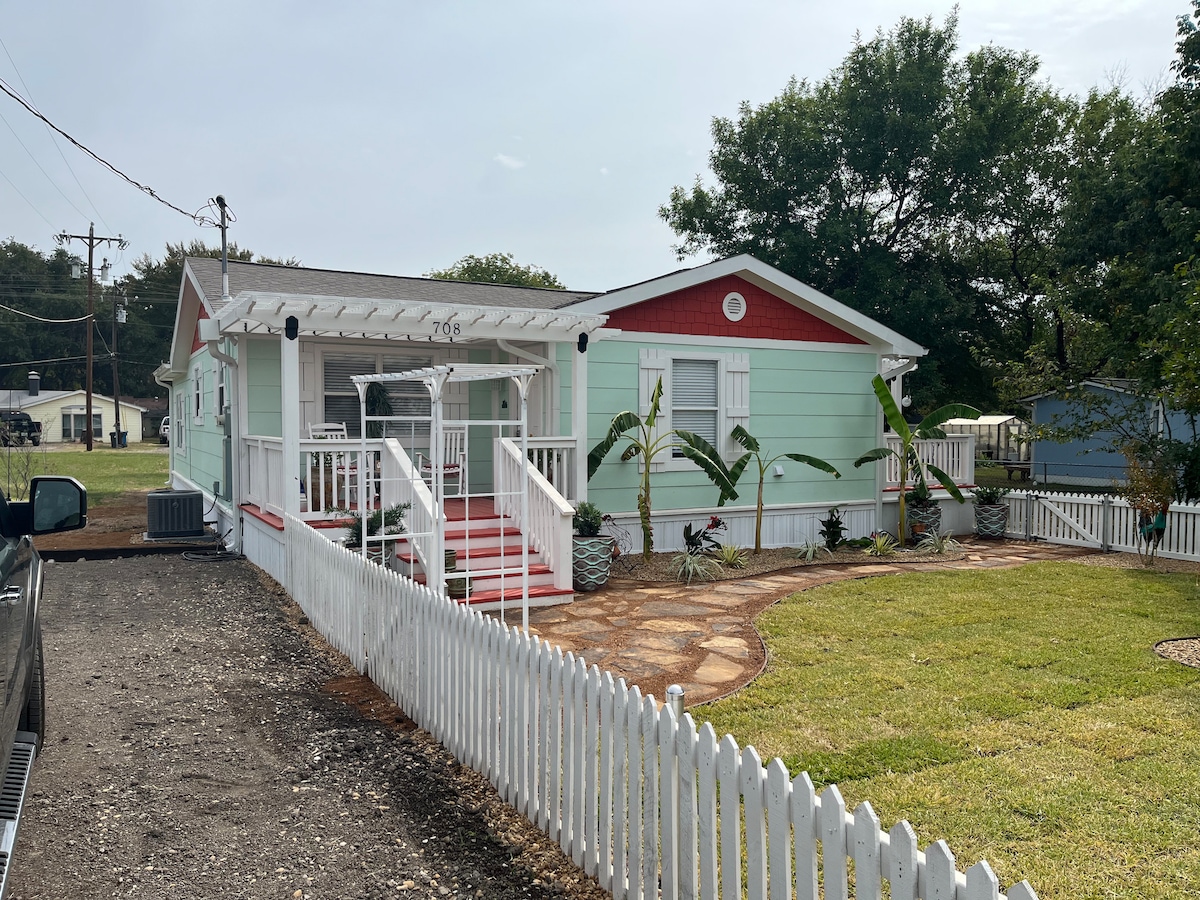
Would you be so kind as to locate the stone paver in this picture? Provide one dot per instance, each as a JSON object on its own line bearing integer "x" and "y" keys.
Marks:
{"x": 702, "y": 636}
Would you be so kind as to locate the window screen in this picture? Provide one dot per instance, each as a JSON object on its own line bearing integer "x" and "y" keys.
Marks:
{"x": 694, "y": 398}
{"x": 409, "y": 398}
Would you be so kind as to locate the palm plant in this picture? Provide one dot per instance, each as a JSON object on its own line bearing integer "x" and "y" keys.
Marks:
{"x": 703, "y": 454}
{"x": 930, "y": 428}
{"x": 643, "y": 443}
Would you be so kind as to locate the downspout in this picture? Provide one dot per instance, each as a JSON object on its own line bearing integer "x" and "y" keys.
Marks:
{"x": 550, "y": 411}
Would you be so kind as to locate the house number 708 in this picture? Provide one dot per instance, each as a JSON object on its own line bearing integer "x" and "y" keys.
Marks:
{"x": 447, "y": 328}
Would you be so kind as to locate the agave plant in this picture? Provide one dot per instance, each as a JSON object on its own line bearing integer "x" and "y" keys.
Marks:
{"x": 731, "y": 556}
{"x": 688, "y": 567}
{"x": 930, "y": 428}
{"x": 810, "y": 550}
{"x": 938, "y": 542}
{"x": 882, "y": 544}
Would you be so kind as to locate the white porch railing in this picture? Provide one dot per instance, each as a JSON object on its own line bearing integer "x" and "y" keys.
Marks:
{"x": 647, "y": 803}
{"x": 554, "y": 457}
{"x": 548, "y": 529}
{"x": 329, "y": 475}
{"x": 955, "y": 456}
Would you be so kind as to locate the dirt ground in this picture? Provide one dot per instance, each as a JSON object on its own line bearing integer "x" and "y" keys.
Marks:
{"x": 204, "y": 741}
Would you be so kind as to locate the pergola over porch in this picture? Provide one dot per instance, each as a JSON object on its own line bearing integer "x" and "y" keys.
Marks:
{"x": 403, "y": 321}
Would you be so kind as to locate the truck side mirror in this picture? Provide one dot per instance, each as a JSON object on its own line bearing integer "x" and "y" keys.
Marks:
{"x": 57, "y": 503}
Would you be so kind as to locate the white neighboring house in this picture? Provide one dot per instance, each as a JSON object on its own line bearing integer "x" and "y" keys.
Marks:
{"x": 63, "y": 414}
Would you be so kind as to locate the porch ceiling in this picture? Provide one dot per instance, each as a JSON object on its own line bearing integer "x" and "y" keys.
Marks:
{"x": 254, "y": 312}
{"x": 457, "y": 372}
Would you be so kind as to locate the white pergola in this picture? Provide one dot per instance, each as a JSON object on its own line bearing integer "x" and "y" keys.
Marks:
{"x": 435, "y": 379}
{"x": 291, "y": 316}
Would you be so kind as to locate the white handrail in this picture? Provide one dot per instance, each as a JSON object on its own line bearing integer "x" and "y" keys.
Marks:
{"x": 548, "y": 530}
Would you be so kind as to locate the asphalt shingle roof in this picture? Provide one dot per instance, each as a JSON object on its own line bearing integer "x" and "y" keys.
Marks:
{"x": 328, "y": 283}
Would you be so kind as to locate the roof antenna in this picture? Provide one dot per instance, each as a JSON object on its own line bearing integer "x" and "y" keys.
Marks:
{"x": 220, "y": 201}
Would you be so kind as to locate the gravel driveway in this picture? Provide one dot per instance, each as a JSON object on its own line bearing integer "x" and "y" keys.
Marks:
{"x": 204, "y": 742}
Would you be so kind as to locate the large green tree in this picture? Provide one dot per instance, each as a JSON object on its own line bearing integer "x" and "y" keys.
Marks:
{"x": 497, "y": 268}
{"x": 916, "y": 185}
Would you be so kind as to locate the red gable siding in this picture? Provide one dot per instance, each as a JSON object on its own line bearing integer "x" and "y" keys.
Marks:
{"x": 196, "y": 342}
{"x": 697, "y": 310}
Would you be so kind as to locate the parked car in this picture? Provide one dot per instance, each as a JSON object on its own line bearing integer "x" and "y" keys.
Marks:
{"x": 164, "y": 430}
{"x": 56, "y": 503}
{"x": 18, "y": 428}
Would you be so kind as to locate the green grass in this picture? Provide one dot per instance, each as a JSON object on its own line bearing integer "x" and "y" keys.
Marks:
{"x": 1020, "y": 714}
{"x": 105, "y": 472}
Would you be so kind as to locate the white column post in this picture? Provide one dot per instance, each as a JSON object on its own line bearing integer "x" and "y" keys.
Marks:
{"x": 579, "y": 419}
{"x": 289, "y": 398}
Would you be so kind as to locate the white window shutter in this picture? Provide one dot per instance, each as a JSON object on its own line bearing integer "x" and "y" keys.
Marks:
{"x": 652, "y": 365}
{"x": 737, "y": 395}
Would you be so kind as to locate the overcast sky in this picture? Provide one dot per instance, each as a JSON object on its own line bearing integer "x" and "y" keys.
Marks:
{"x": 396, "y": 137}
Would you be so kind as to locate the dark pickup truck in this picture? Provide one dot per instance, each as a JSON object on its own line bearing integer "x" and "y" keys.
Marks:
{"x": 56, "y": 503}
{"x": 19, "y": 428}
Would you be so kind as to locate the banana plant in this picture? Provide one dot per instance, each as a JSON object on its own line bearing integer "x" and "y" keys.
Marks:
{"x": 929, "y": 428}
{"x": 639, "y": 432}
{"x": 704, "y": 455}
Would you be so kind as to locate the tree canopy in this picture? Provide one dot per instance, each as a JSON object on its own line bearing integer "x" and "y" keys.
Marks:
{"x": 497, "y": 268}
{"x": 39, "y": 284}
{"x": 913, "y": 185}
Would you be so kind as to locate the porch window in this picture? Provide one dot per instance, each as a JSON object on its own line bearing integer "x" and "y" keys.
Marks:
{"x": 695, "y": 399}
{"x": 407, "y": 398}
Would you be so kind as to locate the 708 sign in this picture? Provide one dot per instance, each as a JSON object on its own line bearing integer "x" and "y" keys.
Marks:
{"x": 447, "y": 328}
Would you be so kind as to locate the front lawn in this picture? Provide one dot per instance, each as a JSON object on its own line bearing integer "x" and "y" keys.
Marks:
{"x": 106, "y": 473}
{"x": 1020, "y": 714}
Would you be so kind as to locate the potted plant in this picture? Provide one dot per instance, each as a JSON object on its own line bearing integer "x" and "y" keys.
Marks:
{"x": 924, "y": 512}
{"x": 591, "y": 551}
{"x": 991, "y": 512}
{"x": 389, "y": 521}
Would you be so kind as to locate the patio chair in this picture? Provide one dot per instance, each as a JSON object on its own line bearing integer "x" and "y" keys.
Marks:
{"x": 346, "y": 474}
{"x": 454, "y": 461}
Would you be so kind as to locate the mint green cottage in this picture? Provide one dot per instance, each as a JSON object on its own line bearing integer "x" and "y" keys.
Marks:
{"x": 260, "y": 375}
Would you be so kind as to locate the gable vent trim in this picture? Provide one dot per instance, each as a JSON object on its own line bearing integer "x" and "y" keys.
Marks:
{"x": 734, "y": 306}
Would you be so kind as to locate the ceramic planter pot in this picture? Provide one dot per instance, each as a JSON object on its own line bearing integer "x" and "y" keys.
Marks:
{"x": 591, "y": 559}
{"x": 991, "y": 520}
{"x": 922, "y": 519}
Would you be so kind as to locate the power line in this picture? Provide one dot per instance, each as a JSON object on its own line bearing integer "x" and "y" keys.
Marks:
{"x": 40, "y": 319}
{"x": 55, "y": 143}
{"x": 38, "y": 362}
{"x": 203, "y": 221}
{"x": 29, "y": 153}
{"x": 27, "y": 200}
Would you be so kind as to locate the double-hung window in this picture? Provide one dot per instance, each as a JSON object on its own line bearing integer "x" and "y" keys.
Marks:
{"x": 704, "y": 393}
{"x": 695, "y": 399}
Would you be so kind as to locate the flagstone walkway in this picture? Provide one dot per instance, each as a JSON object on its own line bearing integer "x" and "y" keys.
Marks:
{"x": 702, "y": 636}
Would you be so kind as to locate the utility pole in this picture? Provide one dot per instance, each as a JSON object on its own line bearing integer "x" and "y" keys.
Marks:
{"x": 91, "y": 240}
{"x": 118, "y": 317}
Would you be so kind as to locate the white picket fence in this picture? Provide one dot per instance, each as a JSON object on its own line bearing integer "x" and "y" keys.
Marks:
{"x": 649, "y": 805}
{"x": 1101, "y": 521}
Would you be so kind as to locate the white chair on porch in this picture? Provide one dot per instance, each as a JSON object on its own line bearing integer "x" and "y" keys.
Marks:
{"x": 346, "y": 474}
{"x": 454, "y": 461}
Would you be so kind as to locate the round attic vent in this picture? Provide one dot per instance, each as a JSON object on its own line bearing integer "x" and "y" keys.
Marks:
{"x": 734, "y": 306}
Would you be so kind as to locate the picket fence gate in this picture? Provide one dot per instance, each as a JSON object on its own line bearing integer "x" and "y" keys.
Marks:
{"x": 1098, "y": 520}
{"x": 649, "y": 805}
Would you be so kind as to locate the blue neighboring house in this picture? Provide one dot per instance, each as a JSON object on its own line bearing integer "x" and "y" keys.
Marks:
{"x": 1093, "y": 462}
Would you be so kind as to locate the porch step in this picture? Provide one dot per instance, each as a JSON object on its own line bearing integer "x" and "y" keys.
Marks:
{"x": 535, "y": 570}
{"x": 541, "y": 595}
{"x": 478, "y": 532}
{"x": 512, "y": 552}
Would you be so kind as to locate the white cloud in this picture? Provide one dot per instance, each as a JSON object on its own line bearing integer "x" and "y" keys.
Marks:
{"x": 604, "y": 170}
{"x": 509, "y": 162}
